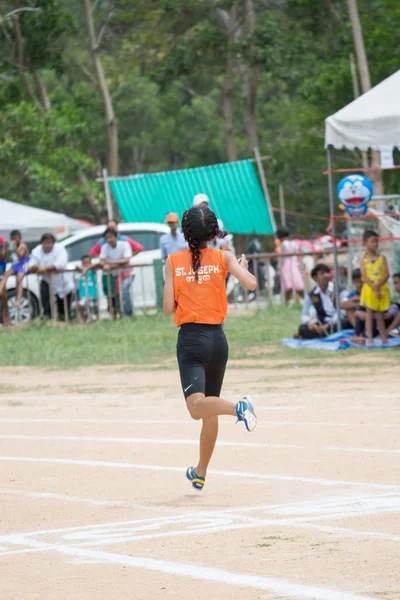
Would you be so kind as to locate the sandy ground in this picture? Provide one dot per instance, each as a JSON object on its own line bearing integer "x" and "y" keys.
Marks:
{"x": 95, "y": 504}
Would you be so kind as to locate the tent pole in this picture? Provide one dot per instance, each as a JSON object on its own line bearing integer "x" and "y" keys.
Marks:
{"x": 108, "y": 194}
{"x": 335, "y": 253}
{"x": 264, "y": 186}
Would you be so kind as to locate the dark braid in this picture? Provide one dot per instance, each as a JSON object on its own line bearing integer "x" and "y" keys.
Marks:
{"x": 199, "y": 226}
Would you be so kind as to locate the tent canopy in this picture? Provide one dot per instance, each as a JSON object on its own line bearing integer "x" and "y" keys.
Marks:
{"x": 234, "y": 190}
{"x": 33, "y": 222}
{"x": 370, "y": 121}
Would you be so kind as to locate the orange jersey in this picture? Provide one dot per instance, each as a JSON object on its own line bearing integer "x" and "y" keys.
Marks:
{"x": 203, "y": 301}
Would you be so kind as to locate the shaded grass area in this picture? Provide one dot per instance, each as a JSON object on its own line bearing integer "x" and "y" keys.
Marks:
{"x": 151, "y": 340}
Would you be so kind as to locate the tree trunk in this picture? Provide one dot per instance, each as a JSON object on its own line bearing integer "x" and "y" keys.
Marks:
{"x": 362, "y": 60}
{"x": 356, "y": 91}
{"x": 249, "y": 79}
{"x": 44, "y": 96}
{"x": 21, "y": 63}
{"x": 228, "y": 21}
{"x": 89, "y": 197}
{"x": 113, "y": 159}
{"x": 227, "y": 108}
{"x": 249, "y": 85}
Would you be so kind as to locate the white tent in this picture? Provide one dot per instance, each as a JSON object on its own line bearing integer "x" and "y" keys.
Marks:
{"x": 33, "y": 222}
{"x": 371, "y": 121}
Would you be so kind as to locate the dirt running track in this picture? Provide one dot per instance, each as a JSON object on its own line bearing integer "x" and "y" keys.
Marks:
{"x": 95, "y": 504}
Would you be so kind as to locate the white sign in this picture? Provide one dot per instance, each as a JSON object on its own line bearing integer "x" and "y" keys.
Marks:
{"x": 387, "y": 157}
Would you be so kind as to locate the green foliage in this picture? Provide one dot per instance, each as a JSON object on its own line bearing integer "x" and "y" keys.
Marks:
{"x": 39, "y": 157}
{"x": 164, "y": 62}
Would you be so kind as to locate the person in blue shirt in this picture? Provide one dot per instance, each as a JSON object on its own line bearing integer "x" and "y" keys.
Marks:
{"x": 88, "y": 304}
{"x": 352, "y": 301}
{"x": 174, "y": 241}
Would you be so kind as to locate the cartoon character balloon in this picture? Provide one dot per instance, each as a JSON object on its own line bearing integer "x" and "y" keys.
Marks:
{"x": 355, "y": 193}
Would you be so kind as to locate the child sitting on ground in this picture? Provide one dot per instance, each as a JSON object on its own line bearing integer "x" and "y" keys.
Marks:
{"x": 352, "y": 301}
{"x": 394, "y": 311}
{"x": 19, "y": 267}
{"x": 87, "y": 305}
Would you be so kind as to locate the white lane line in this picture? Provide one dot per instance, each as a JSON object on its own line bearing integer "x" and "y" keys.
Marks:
{"x": 198, "y": 572}
{"x": 184, "y": 442}
{"x": 360, "y": 506}
{"x": 223, "y": 473}
{"x": 90, "y": 501}
{"x": 186, "y": 421}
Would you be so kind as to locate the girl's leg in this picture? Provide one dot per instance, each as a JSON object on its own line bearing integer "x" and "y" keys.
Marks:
{"x": 202, "y": 407}
{"x": 369, "y": 325}
{"x": 208, "y": 437}
{"x": 288, "y": 296}
{"x": 380, "y": 321}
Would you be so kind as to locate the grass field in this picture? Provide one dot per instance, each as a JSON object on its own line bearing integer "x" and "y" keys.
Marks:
{"x": 151, "y": 340}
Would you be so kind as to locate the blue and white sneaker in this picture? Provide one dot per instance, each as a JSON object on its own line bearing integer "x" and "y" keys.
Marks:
{"x": 245, "y": 412}
{"x": 196, "y": 481}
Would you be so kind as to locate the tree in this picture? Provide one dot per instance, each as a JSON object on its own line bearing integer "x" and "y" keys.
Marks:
{"x": 94, "y": 49}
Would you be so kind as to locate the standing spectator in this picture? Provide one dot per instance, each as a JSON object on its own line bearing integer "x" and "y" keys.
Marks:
{"x": 87, "y": 305}
{"x": 292, "y": 281}
{"x": 129, "y": 275}
{"x": 19, "y": 267}
{"x": 3, "y": 295}
{"x": 113, "y": 224}
{"x": 375, "y": 291}
{"x": 114, "y": 255}
{"x": 174, "y": 241}
{"x": 47, "y": 258}
{"x": 225, "y": 243}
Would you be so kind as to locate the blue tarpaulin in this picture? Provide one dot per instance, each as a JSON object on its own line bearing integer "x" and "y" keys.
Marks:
{"x": 338, "y": 341}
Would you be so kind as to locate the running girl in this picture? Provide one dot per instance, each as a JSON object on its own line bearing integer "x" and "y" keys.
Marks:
{"x": 375, "y": 291}
{"x": 195, "y": 290}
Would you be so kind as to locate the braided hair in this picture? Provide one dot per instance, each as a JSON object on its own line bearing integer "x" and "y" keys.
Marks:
{"x": 199, "y": 226}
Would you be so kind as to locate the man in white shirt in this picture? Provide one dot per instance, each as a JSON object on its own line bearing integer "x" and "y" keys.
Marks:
{"x": 116, "y": 254}
{"x": 319, "y": 317}
{"x": 46, "y": 259}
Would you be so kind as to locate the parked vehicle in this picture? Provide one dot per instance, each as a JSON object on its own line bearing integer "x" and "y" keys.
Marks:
{"x": 143, "y": 286}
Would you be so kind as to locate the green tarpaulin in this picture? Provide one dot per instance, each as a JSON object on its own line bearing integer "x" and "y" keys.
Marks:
{"x": 234, "y": 190}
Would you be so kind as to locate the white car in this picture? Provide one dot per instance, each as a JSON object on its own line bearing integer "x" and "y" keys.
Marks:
{"x": 143, "y": 286}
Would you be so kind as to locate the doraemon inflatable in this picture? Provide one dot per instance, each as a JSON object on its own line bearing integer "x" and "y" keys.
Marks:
{"x": 355, "y": 193}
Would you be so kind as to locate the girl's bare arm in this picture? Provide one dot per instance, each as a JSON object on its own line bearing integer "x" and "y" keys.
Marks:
{"x": 169, "y": 296}
{"x": 365, "y": 278}
{"x": 385, "y": 275}
{"x": 240, "y": 272}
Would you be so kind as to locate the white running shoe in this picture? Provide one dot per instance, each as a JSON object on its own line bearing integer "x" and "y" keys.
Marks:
{"x": 245, "y": 412}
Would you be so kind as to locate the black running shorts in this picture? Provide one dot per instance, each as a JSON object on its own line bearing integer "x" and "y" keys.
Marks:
{"x": 202, "y": 353}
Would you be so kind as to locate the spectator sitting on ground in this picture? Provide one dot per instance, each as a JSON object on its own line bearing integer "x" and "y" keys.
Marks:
{"x": 394, "y": 310}
{"x": 19, "y": 267}
{"x": 3, "y": 296}
{"x": 174, "y": 241}
{"x": 116, "y": 254}
{"x": 391, "y": 317}
{"x": 352, "y": 302}
{"x": 319, "y": 316}
{"x": 88, "y": 304}
{"x": 45, "y": 259}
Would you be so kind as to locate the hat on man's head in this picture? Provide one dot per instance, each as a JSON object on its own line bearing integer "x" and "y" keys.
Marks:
{"x": 172, "y": 218}
{"x": 201, "y": 199}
